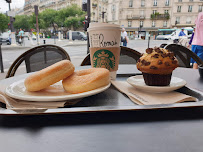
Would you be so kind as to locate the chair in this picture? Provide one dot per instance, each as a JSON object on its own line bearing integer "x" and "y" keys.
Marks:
{"x": 127, "y": 56}
{"x": 183, "y": 55}
{"x": 38, "y": 58}
{"x": 163, "y": 45}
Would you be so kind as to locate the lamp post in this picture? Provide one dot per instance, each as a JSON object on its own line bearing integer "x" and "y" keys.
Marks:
{"x": 139, "y": 36}
{"x": 148, "y": 40}
{"x": 11, "y": 18}
{"x": 88, "y": 20}
{"x": 13, "y": 38}
{"x": 37, "y": 26}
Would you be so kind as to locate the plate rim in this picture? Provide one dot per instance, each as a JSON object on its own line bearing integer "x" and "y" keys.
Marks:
{"x": 156, "y": 88}
{"x": 53, "y": 98}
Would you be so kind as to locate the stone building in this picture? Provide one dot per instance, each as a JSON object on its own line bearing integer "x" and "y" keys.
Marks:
{"x": 184, "y": 12}
{"x": 48, "y": 4}
{"x": 139, "y": 17}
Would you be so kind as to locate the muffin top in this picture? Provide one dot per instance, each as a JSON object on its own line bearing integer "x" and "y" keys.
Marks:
{"x": 157, "y": 61}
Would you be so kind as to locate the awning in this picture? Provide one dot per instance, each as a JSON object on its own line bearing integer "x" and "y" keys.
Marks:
{"x": 183, "y": 25}
{"x": 142, "y": 29}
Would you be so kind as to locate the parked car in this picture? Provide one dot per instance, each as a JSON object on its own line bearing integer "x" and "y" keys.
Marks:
{"x": 4, "y": 38}
{"x": 174, "y": 35}
{"x": 163, "y": 37}
{"x": 77, "y": 35}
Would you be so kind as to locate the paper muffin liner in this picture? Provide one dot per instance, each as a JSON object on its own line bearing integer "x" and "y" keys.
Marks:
{"x": 157, "y": 79}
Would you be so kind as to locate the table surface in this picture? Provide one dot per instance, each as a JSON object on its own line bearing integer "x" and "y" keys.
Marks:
{"x": 174, "y": 129}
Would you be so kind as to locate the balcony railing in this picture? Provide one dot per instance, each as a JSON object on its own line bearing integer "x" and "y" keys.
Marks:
{"x": 61, "y": 1}
{"x": 158, "y": 16}
{"x": 135, "y": 17}
{"x": 94, "y": 5}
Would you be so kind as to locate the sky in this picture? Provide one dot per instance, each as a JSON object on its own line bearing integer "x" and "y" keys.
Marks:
{"x": 14, "y": 3}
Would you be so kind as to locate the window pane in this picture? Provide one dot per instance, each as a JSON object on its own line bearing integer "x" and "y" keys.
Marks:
{"x": 131, "y": 3}
{"x": 200, "y": 8}
{"x": 167, "y": 3}
{"x": 190, "y": 8}
{"x": 178, "y": 20}
{"x": 165, "y": 24}
{"x": 153, "y": 23}
{"x": 129, "y": 23}
{"x": 155, "y": 2}
{"x": 179, "y": 9}
{"x": 142, "y": 2}
{"x": 141, "y": 23}
{"x": 188, "y": 21}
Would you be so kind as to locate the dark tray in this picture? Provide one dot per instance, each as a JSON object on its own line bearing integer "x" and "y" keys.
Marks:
{"x": 109, "y": 100}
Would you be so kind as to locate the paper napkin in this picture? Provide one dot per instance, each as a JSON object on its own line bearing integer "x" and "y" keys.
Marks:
{"x": 146, "y": 98}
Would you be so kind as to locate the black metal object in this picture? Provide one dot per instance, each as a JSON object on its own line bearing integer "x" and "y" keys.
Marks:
{"x": 86, "y": 24}
{"x": 103, "y": 16}
{"x": 11, "y": 18}
{"x": 36, "y": 10}
{"x": 139, "y": 32}
{"x": 89, "y": 20}
{"x": 37, "y": 25}
{"x": 35, "y": 58}
{"x": 84, "y": 7}
{"x": 44, "y": 41}
{"x": 148, "y": 40}
{"x": 1, "y": 60}
{"x": 8, "y": 1}
{"x": 183, "y": 55}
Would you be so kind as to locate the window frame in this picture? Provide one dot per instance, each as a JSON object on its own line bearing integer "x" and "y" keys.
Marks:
{"x": 178, "y": 20}
{"x": 165, "y": 23}
{"x": 155, "y": 3}
{"x": 129, "y": 23}
{"x": 200, "y": 8}
{"x": 142, "y": 3}
{"x": 141, "y": 23}
{"x": 167, "y": 3}
{"x": 130, "y": 3}
{"x": 179, "y": 8}
{"x": 189, "y": 8}
{"x": 153, "y": 23}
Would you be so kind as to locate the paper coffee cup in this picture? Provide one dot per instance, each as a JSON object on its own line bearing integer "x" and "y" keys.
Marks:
{"x": 106, "y": 57}
{"x": 104, "y": 35}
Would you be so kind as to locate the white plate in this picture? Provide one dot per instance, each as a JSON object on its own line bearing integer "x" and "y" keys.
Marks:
{"x": 138, "y": 82}
{"x": 55, "y": 92}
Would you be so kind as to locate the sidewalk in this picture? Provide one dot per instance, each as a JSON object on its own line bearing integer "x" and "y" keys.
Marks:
{"x": 27, "y": 45}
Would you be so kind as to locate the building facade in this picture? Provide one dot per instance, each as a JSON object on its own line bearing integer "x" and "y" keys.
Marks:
{"x": 184, "y": 12}
{"x": 48, "y": 4}
{"x": 138, "y": 17}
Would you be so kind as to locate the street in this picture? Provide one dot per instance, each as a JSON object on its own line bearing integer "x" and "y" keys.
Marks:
{"x": 77, "y": 50}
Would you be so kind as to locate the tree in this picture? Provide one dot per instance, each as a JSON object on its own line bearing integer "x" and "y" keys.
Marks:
{"x": 48, "y": 16}
{"x": 74, "y": 22}
{"x": 22, "y": 21}
{"x": 70, "y": 17}
{"x": 32, "y": 21}
{"x": 4, "y": 20}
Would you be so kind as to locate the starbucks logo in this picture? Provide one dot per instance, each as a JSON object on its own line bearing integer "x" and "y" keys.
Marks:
{"x": 104, "y": 59}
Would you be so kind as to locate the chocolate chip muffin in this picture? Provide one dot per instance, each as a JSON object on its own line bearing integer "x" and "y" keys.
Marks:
{"x": 157, "y": 65}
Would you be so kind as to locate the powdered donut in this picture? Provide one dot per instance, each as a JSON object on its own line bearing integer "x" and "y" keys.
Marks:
{"x": 86, "y": 80}
{"x": 50, "y": 75}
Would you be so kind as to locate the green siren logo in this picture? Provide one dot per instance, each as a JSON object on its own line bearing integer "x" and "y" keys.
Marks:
{"x": 104, "y": 59}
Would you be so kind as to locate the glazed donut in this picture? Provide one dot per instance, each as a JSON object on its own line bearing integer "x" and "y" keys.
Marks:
{"x": 86, "y": 80}
{"x": 48, "y": 76}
